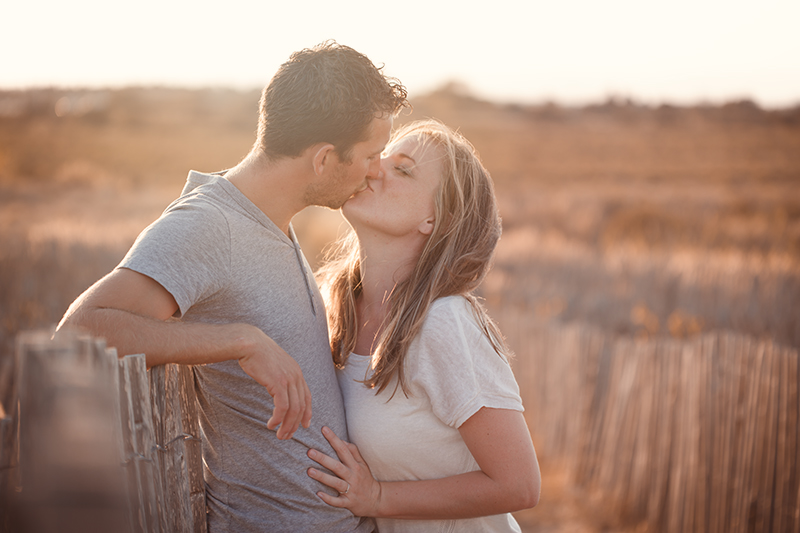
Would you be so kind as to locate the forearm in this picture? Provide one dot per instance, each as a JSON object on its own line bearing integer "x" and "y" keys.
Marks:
{"x": 163, "y": 341}
{"x": 134, "y": 314}
{"x": 463, "y": 496}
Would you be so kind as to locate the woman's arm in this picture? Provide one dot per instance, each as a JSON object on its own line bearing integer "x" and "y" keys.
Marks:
{"x": 508, "y": 479}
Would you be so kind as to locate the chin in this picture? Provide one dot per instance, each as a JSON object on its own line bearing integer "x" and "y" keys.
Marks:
{"x": 350, "y": 215}
{"x": 338, "y": 203}
{"x": 348, "y": 205}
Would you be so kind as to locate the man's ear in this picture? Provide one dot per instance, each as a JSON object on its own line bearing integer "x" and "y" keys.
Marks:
{"x": 323, "y": 157}
{"x": 426, "y": 226}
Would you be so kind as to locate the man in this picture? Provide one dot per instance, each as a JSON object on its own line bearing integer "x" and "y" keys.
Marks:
{"x": 219, "y": 281}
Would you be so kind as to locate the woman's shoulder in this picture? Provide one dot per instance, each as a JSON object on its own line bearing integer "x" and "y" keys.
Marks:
{"x": 448, "y": 318}
{"x": 459, "y": 324}
{"x": 450, "y": 305}
{"x": 450, "y": 310}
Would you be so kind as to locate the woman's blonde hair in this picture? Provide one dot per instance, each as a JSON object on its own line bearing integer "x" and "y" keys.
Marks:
{"x": 454, "y": 261}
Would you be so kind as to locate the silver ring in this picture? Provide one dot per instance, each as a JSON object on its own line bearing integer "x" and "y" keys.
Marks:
{"x": 346, "y": 490}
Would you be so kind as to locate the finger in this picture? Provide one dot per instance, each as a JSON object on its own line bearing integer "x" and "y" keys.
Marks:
{"x": 333, "y": 501}
{"x": 298, "y": 408}
{"x": 292, "y": 418}
{"x": 339, "y": 446}
{"x": 280, "y": 399}
{"x": 330, "y": 463}
{"x": 355, "y": 453}
{"x": 280, "y": 405}
{"x": 338, "y": 484}
{"x": 307, "y": 413}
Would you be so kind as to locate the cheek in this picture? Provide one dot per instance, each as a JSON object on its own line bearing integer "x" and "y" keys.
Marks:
{"x": 358, "y": 171}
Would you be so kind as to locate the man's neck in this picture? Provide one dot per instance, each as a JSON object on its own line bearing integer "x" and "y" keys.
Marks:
{"x": 275, "y": 187}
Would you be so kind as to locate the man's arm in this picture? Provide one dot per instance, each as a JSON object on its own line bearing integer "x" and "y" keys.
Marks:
{"x": 134, "y": 313}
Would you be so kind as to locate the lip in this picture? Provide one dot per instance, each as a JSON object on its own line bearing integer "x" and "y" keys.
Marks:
{"x": 358, "y": 192}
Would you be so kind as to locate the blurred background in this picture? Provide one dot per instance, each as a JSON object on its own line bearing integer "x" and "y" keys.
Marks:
{"x": 647, "y": 163}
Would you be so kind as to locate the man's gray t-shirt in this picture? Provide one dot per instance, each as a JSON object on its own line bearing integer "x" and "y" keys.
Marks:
{"x": 224, "y": 261}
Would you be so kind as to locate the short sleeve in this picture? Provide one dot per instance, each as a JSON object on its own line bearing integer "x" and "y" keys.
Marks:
{"x": 453, "y": 363}
{"x": 187, "y": 251}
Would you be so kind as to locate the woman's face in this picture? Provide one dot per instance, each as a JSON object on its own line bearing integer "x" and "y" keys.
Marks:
{"x": 399, "y": 201}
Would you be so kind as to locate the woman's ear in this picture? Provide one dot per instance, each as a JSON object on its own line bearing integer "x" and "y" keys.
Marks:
{"x": 322, "y": 158}
{"x": 426, "y": 226}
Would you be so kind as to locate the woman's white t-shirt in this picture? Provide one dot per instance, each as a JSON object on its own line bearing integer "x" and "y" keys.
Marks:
{"x": 451, "y": 371}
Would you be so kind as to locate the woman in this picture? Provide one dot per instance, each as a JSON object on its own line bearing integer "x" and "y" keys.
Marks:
{"x": 433, "y": 409}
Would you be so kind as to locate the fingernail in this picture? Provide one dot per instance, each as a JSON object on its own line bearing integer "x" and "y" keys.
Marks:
{"x": 312, "y": 453}
{"x": 312, "y": 472}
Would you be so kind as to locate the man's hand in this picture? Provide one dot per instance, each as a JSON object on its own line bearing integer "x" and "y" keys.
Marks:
{"x": 272, "y": 367}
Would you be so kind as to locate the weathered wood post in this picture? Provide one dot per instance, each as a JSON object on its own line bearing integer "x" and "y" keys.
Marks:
{"x": 103, "y": 444}
{"x": 138, "y": 445}
{"x": 9, "y": 442}
{"x": 69, "y": 470}
{"x": 177, "y": 436}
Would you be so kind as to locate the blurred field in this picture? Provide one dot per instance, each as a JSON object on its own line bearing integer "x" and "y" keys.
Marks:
{"x": 601, "y": 204}
{"x": 643, "y": 221}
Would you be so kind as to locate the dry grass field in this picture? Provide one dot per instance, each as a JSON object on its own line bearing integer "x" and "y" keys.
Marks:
{"x": 647, "y": 222}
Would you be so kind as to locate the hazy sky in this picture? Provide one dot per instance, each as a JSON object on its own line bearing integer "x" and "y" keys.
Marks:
{"x": 571, "y": 51}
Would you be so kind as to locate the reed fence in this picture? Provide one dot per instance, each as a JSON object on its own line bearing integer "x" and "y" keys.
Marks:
{"x": 90, "y": 442}
{"x": 697, "y": 435}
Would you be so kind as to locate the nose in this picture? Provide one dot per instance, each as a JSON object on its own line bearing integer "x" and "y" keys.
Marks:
{"x": 375, "y": 169}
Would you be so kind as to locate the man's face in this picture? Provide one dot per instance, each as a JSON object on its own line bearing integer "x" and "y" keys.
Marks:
{"x": 365, "y": 161}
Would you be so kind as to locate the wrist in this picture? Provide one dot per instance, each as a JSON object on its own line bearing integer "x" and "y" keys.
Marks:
{"x": 379, "y": 508}
{"x": 244, "y": 341}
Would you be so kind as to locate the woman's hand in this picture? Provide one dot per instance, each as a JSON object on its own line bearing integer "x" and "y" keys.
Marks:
{"x": 358, "y": 490}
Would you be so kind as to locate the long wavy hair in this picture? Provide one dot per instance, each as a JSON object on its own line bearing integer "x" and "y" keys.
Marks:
{"x": 454, "y": 261}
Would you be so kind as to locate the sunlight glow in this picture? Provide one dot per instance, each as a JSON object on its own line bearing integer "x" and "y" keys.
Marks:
{"x": 570, "y": 51}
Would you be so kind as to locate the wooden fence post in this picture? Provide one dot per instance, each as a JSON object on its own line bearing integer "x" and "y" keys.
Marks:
{"x": 140, "y": 457}
{"x": 9, "y": 451}
{"x": 83, "y": 412}
{"x": 177, "y": 436}
{"x": 69, "y": 470}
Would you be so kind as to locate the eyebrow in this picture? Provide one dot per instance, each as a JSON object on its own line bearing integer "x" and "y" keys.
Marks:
{"x": 401, "y": 154}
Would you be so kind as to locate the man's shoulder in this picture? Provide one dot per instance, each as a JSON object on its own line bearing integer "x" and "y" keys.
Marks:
{"x": 194, "y": 217}
{"x": 200, "y": 180}
{"x": 203, "y": 201}
{"x": 201, "y": 190}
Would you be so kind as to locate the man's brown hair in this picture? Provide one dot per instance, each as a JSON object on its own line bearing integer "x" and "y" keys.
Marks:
{"x": 329, "y": 93}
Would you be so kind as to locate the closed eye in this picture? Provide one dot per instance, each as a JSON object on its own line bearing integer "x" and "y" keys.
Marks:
{"x": 403, "y": 170}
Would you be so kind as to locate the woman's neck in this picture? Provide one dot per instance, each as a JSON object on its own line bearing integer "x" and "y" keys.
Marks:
{"x": 384, "y": 263}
